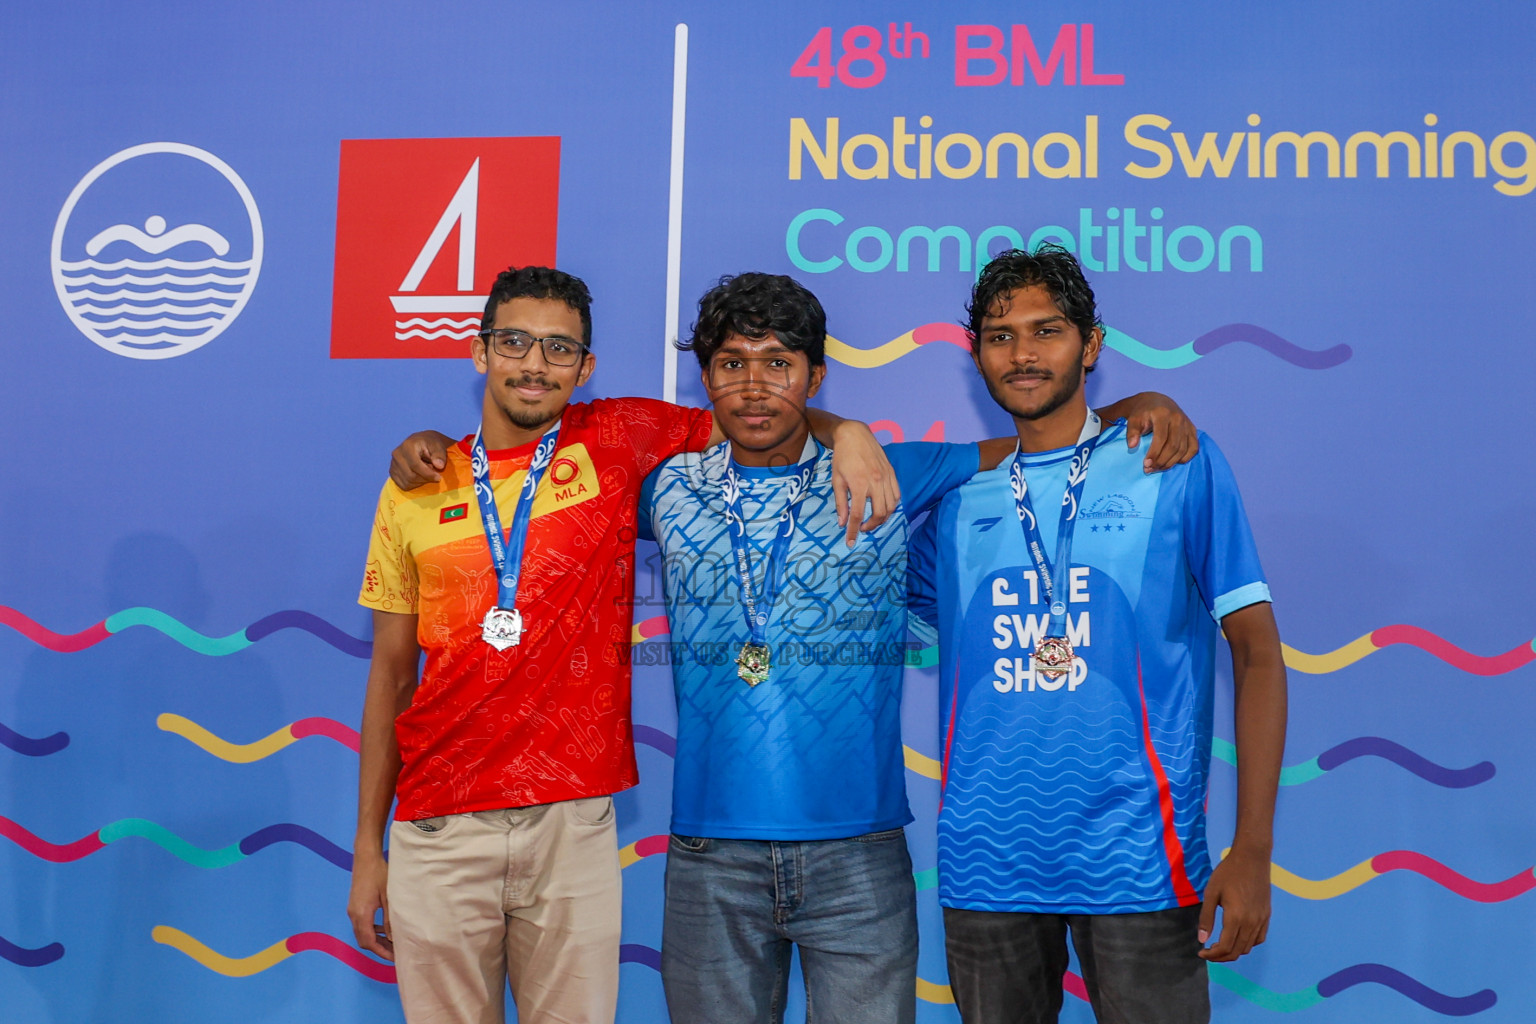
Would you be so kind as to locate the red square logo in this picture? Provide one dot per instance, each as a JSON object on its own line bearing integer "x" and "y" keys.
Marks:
{"x": 423, "y": 226}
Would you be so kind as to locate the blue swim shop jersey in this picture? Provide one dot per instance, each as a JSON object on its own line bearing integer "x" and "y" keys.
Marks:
{"x": 1083, "y": 794}
{"x": 814, "y": 752}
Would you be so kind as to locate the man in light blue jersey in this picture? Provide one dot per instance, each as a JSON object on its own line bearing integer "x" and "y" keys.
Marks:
{"x": 787, "y": 649}
{"x": 1078, "y": 601}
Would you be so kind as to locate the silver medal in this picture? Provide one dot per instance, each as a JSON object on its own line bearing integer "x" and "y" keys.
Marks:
{"x": 502, "y": 628}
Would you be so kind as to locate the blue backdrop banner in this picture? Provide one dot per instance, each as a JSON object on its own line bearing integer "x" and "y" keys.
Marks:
{"x": 243, "y": 248}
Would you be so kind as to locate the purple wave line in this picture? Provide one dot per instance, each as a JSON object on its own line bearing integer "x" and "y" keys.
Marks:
{"x": 1450, "y": 1006}
{"x": 31, "y": 747}
{"x": 656, "y": 738}
{"x": 289, "y": 833}
{"x": 314, "y": 624}
{"x": 23, "y": 957}
{"x": 1272, "y": 343}
{"x": 1429, "y": 771}
{"x": 634, "y": 953}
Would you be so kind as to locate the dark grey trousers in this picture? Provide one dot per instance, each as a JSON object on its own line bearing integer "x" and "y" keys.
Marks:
{"x": 1006, "y": 968}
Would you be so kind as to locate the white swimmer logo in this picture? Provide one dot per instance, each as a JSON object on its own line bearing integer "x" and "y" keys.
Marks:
{"x": 156, "y": 308}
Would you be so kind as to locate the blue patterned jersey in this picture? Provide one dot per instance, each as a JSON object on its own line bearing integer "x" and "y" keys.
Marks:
{"x": 1082, "y": 793}
{"x": 814, "y": 752}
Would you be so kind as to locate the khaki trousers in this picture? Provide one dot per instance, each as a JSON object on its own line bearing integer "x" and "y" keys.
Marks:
{"x": 527, "y": 895}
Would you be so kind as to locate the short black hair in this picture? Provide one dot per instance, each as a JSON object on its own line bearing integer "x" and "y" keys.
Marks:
{"x": 1051, "y": 266}
{"x": 756, "y": 305}
{"x": 541, "y": 283}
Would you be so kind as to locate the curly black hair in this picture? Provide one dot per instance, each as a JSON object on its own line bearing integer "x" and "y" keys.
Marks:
{"x": 1049, "y": 265}
{"x": 755, "y": 305}
{"x": 541, "y": 283}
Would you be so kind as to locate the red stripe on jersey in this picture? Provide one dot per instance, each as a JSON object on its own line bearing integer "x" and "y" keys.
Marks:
{"x": 1182, "y": 889}
{"x": 949, "y": 738}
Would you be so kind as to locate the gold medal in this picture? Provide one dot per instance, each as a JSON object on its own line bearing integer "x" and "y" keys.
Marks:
{"x": 753, "y": 663}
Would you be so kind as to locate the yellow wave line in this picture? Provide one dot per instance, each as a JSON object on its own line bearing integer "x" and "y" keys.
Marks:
{"x": 239, "y": 753}
{"x": 628, "y": 856}
{"x": 1322, "y": 888}
{"x": 922, "y": 764}
{"x": 928, "y": 992}
{"x": 231, "y": 967}
{"x": 1317, "y": 664}
{"x": 868, "y": 358}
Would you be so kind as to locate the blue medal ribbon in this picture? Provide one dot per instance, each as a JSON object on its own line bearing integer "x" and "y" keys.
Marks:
{"x": 1077, "y": 476}
{"x": 798, "y": 487}
{"x": 507, "y": 556}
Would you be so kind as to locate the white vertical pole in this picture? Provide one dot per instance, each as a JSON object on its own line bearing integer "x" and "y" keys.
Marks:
{"x": 675, "y": 212}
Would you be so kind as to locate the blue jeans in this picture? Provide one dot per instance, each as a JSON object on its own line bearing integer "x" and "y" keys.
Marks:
{"x": 736, "y": 906}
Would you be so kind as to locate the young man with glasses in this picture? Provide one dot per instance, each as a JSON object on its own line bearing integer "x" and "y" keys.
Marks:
{"x": 504, "y": 751}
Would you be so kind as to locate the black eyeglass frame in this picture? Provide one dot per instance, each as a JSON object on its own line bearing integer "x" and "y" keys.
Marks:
{"x": 495, "y": 337}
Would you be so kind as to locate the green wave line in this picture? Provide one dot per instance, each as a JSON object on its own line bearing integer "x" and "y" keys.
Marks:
{"x": 1295, "y": 775}
{"x": 171, "y": 843}
{"x": 184, "y": 635}
{"x": 1157, "y": 358}
{"x": 925, "y": 658}
{"x": 926, "y": 879}
{"x": 1284, "y": 1002}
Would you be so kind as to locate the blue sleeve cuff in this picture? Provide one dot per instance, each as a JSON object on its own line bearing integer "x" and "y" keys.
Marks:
{"x": 1242, "y": 597}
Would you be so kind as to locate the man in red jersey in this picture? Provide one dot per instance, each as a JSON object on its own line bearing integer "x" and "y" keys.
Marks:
{"x": 504, "y": 751}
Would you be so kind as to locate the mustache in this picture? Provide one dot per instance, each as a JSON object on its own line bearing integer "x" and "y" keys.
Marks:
{"x": 532, "y": 382}
{"x": 1030, "y": 374}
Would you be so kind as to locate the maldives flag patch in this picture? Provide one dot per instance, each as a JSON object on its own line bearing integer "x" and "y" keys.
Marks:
{"x": 453, "y": 513}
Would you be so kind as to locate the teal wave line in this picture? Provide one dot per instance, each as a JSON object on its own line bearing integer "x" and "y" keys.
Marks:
{"x": 1157, "y": 358}
{"x": 926, "y": 879}
{"x": 1283, "y": 1002}
{"x": 170, "y": 842}
{"x": 927, "y": 657}
{"x": 184, "y": 635}
{"x": 1295, "y": 775}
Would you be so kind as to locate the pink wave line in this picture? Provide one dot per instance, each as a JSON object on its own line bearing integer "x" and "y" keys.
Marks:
{"x": 1452, "y": 655}
{"x": 327, "y": 727}
{"x": 55, "y": 852}
{"x": 64, "y": 643}
{"x": 1461, "y": 885}
{"x": 353, "y": 958}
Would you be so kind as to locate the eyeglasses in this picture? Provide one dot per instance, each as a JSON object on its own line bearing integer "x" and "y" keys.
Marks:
{"x": 511, "y": 344}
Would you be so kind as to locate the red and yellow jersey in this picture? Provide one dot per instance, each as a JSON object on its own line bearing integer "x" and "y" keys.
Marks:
{"x": 548, "y": 719}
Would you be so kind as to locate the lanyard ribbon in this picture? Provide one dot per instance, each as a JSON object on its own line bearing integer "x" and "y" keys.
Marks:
{"x": 1077, "y": 474}
{"x": 508, "y": 557}
{"x": 773, "y": 577}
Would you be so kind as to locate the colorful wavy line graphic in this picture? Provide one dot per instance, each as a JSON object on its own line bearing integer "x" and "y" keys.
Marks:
{"x": 1368, "y": 746}
{"x": 141, "y": 828}
{"x": 1313, "y": 664}
{"x": 1402, "y": 860}
{"x": 31, "y": 747}
{"x": 1359, "y": 974}
{"x": 21, "y": 956}
{"x": 244, "y": 967}
{"x": 1424, "y": 640}
{"x": 1158, "y": 359}
{"x": 214, "y": 646}
{"x": 641, "y": 849}
{"x": 245, "y": 753}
